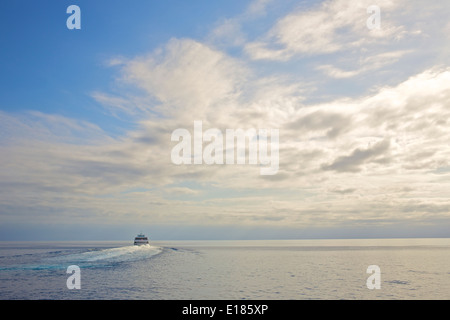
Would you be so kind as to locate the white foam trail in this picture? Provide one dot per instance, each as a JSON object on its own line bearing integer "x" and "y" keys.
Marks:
{"x": 121, "y": 254}
{"x": 92, "y": 258}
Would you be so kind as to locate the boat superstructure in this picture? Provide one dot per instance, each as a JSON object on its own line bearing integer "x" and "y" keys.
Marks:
{"x": 140, "y": 240}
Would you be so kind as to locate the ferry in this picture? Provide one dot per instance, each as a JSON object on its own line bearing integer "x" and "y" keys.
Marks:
{"x": 140, "y": 240}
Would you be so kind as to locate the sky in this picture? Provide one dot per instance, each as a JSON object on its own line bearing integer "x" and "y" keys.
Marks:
{"x": 87, "y": 116}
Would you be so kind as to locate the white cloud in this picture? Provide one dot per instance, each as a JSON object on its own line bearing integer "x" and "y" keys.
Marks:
{"x": 331, "y": 27}
{"x": 258, "y": 7}
{"x": 371, "y": 63}
{"x": 228, "y": 33}
{"x": 349, "y": 150}
{"x": 380, "y": 156}
{"x": 186, "y": 75}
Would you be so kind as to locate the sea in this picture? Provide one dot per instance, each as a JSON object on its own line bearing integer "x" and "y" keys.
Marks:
{"x": 354, "y": 269}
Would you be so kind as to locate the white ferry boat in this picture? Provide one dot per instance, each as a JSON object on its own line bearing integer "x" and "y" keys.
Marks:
{"x": 140, "y": 240}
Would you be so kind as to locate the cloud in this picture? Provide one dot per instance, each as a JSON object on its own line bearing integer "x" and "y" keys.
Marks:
{"x": 343, "y": 191}
{"x": 331, "y": 124}
{"x": 258, "y": 7}
{"x": 354, "y": 161}
{"x": 394, "y": 134}
{"x": 182, "y": 191}
{"x": 185, "y": 75}
{"x": 371, "y": 63}
{"x": 330, "y": 27}
{"x": 228, "y": 33}
{"x": 38, "y": 126}
{"x": 357, "y": 160}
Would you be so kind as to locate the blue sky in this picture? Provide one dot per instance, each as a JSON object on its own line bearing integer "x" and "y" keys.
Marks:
{"x": 58, "y": 68}
{"x": 86, "y": 118}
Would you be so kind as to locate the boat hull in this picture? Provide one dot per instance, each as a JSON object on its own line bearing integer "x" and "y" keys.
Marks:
{"x": 140, "y": 243}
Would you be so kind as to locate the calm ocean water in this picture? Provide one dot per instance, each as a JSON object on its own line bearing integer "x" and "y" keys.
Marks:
{"x": 275, "y": 269}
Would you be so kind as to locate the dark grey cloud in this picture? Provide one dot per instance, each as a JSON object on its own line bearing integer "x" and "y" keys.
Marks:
{"x": 334, "y": 123}
{"x": 354, "y": 161}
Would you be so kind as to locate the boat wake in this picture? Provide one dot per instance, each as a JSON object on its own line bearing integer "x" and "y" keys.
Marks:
{"x": 121, "y": 254}
{"x": 93, "y": 258}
